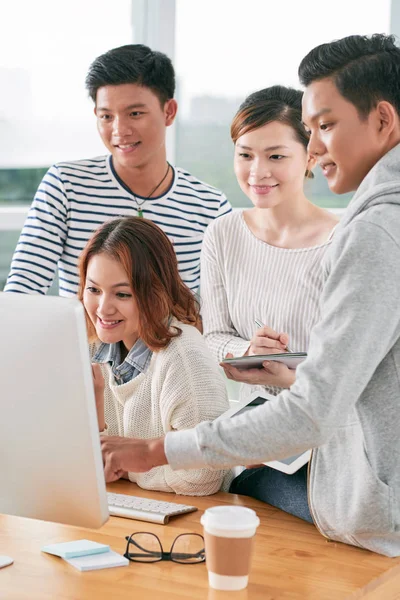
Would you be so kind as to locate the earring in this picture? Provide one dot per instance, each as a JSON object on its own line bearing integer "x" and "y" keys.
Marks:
{"x": 309, "y": 174}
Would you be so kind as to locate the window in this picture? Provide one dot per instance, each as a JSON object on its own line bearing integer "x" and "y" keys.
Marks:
{"x": 228, "y": 49}
{"x": 45, "y": 114}
{"x": 224, "y": 50}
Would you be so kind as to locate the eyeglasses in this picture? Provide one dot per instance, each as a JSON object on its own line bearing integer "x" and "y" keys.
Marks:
{"x": 187, "y": 548}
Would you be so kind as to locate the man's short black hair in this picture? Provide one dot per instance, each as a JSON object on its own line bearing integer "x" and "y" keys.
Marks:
{"x": 133, "y": 63}
{"x": 365, "y": 69}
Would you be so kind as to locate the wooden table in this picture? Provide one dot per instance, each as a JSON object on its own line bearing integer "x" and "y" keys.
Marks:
{"x": 292, "y": 561}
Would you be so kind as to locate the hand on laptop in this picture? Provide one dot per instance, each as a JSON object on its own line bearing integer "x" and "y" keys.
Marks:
{"x": 272, "y": 374}
{"x": 122, "y": 455}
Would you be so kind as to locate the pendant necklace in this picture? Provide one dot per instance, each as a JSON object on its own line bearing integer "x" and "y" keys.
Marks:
{"x": 140, "y": 204}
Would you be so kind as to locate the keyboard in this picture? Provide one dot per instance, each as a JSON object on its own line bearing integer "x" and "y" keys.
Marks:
{"x": 144, "y": 509}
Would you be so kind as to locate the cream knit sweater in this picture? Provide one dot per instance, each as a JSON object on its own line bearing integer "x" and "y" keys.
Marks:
{"x": 181, "y": 387}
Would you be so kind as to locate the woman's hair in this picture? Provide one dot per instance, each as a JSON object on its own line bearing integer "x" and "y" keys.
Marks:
{"x": 149, "y": 260}
{"x": 276, "y": 103}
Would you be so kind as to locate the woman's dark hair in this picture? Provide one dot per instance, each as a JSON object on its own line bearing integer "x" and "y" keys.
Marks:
{"x": 276, "y": 103}
{"x": 365, "y": 69}
{"x": 149, "y": 260}
{"x": 133, "y": 63}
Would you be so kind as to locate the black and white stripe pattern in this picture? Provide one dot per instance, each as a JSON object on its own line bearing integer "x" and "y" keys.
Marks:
{"x": 75, "y": 198}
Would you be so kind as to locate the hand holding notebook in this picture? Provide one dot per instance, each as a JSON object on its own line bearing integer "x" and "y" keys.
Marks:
{"x": 290, "y": 359}
{"x": 266, "y": 370}
{"x": 268, "y": 360}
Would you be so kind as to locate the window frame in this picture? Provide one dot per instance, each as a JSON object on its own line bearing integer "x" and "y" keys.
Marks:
{"x": 154, "y": 24}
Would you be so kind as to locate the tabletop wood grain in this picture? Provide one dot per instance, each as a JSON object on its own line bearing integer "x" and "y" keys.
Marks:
{"x": 291, "y": 561}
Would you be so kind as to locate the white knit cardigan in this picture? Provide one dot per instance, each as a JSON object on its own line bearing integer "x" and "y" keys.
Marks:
{"x": 181, "y": 387}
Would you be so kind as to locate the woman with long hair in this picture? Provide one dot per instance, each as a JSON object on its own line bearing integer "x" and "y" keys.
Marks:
{"x": 152, "y": 370}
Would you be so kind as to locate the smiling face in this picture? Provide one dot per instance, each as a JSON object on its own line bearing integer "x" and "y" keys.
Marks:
{"x": 345, "y": 146}
{"x": 109, "y": 301}
{"x": 270, "y": 164}
{"x": 132, "y": 123}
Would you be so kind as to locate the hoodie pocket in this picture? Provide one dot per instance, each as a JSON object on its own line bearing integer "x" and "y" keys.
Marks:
{"x": 349, "y": 497}
{"x": 379, "y": 517}
{"x": 370, "y": 498}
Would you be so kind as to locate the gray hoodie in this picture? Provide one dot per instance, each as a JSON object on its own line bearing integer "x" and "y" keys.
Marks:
{"x": 345, "y": 402}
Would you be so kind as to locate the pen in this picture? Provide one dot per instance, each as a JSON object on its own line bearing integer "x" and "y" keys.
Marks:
{"x": 259, "y": 324}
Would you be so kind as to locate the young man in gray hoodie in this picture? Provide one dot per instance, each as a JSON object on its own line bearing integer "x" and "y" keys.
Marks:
{"x": 345, "y": 401}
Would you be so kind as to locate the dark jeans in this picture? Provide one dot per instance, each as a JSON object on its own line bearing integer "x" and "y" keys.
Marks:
{"x": 287, "y": 492}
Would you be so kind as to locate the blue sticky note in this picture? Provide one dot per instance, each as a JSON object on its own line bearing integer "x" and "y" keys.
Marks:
{"x": 76, "y": 548}
{"x": 106, "y": 560}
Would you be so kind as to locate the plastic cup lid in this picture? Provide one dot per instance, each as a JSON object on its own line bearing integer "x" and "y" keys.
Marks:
{"x": 234, "y": 518}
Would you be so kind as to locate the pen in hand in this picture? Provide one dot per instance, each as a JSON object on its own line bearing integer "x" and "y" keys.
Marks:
{"x": 259, "y": 324}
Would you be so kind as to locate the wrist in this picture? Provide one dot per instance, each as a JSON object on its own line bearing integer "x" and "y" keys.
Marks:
{"x": 101, "y": 420}
{"x": 156, "y": 453}
{"x": 290, "y": 379}
{"x": 247, "y": 353}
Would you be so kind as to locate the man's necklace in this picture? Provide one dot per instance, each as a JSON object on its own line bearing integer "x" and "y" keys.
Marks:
{"x": 140, "y": 204}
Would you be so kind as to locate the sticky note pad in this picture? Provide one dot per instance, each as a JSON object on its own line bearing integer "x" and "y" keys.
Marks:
{"x": 105, "y": 560}
{"x": 76, "y": 548}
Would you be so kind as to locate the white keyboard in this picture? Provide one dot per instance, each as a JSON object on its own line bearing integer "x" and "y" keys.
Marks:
{"x": 143, "y": 509}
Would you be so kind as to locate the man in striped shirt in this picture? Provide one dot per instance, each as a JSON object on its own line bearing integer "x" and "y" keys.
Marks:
{"x": 132, "y": 88}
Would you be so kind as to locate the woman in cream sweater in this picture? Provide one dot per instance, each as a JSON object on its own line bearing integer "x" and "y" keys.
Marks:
{"x": 152, "y": 370}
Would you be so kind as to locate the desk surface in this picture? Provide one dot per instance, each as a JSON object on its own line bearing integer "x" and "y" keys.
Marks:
{"x": 291, "y": 561}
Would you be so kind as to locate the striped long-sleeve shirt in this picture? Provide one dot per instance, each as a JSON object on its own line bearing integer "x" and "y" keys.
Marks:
{"x": 75, "y": 198}
{"x": 244, "y": 278}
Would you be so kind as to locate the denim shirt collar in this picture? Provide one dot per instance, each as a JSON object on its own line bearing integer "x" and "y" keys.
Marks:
{"x": 136, "y": 361}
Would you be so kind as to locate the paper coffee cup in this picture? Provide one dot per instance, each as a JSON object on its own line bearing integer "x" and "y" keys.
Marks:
{"x": 228, "y": 536}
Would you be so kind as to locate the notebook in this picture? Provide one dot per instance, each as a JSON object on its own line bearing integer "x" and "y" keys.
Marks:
{"x": 75, "y": 548}
{"x": 93, "y": 562}
{"x": 290, "y": 359}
